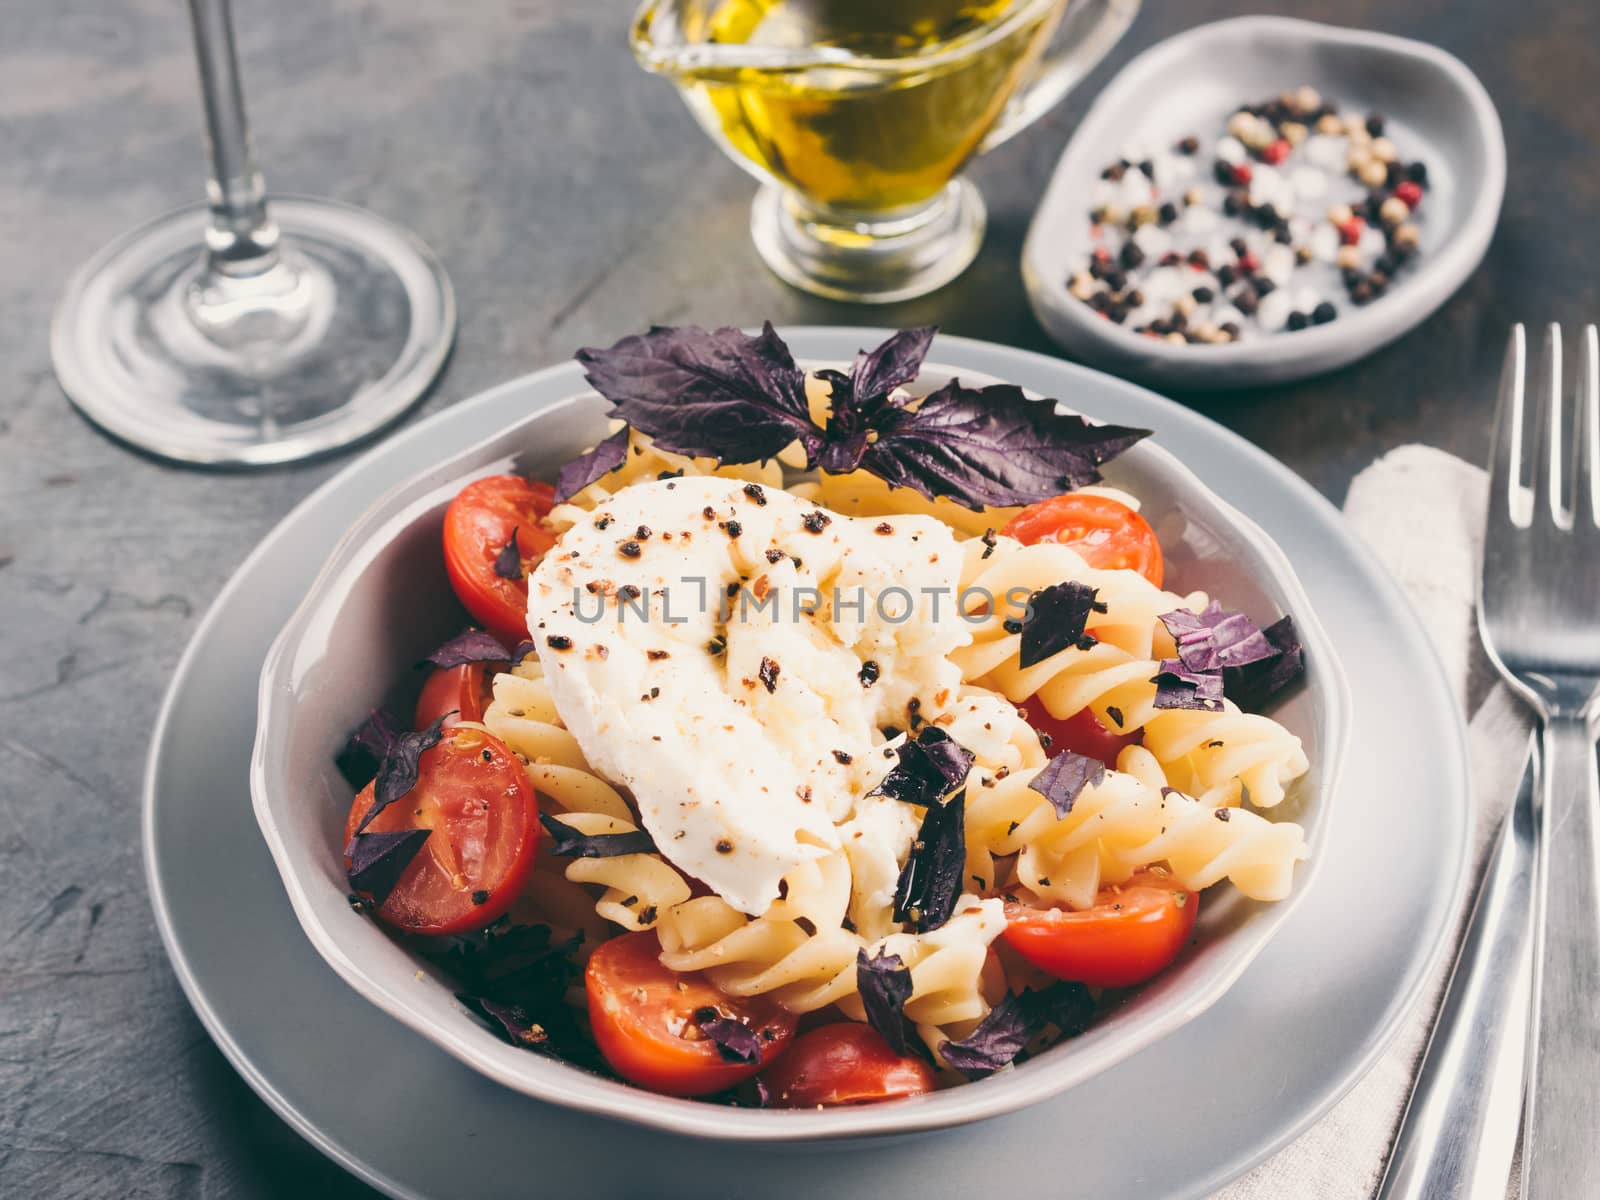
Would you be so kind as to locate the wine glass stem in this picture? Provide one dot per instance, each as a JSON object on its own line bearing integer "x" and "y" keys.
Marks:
{"x": 242, "y": 241}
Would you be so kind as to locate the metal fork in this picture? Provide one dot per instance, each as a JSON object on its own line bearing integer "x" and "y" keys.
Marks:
{"x": 1539, "y": 614}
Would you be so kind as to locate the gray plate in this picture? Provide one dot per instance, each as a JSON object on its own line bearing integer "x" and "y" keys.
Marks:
{"x": 1297, "y": 1030}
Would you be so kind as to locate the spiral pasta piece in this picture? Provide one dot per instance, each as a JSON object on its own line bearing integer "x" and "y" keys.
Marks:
{"x": 1127, "y": 821}
{"x": 1218, "y": 756}
{"x": 638, "y": 887}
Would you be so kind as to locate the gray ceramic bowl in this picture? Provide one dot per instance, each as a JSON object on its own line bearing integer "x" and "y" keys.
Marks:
{"x": 382, "y": 601}
{"x": 1191, "y": 82}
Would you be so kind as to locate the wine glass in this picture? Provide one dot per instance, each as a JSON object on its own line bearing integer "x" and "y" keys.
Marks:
{"x": 234, "y": 332}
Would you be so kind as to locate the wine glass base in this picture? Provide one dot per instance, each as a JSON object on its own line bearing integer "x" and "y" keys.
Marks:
{"x": 869, "y": 261}
{"x": 341, "y": 336}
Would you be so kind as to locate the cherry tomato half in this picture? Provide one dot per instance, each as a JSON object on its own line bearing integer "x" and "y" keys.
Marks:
{"x": 644, "y": 1017}
{"x": 1105, "y": 532}
{"x": 475, "y": 797}
{"x": 1133, "y": 931}
{"x": 1082, "y": 733}
{"x": 844, "y": 1063}
{"x": 479, "y": 522}
{"x": 463, "y": 690}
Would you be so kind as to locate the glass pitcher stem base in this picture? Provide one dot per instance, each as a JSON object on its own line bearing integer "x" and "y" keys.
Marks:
{"x": 869, "y": 261}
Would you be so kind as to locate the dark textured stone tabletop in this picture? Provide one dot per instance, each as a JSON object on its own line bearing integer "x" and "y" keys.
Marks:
{"x": 573, "y": 200}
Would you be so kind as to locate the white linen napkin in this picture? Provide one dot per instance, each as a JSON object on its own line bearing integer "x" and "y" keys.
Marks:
{"x": 1422, "y": 511}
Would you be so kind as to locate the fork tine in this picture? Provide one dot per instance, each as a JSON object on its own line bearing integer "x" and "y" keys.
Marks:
{"x": 1586, "y": 473}
{"x": 1505, "y": 464}
{"x": 1549, "y": 430}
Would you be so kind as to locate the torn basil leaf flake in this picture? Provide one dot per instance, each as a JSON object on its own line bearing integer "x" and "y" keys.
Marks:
{"x": 1014, "y": 1022}
{"x": 1259, "y": 685}
{"x": 990, "y": 446}
{"x": 514, "y": 1020}
{"x": 568, "y": 842}
{"x": 1179, "y": 687}
{"x": 608, "y": 456}
{"x": 1065, "y": 776}
{"x": 720, "y": 394}
{"x": 508, "y": 563}
{"x": 521, "y": 651}
{"x": 929, "y": 767}
{"x": 363, "y": 753}
{"x": 398, "y": 774}
{"x": 1055, "y": 621}
{"x": 998, "y": 1039}
{"x": 884, "y": 983}
{"x": 734, "y": 1040}
{"x": 895, "y": 363}
{"x": 930, "y": 882}
{"x": 473, "y": 646}
{"x": 1213, "y": 639}
{"x": 377, "y": 860}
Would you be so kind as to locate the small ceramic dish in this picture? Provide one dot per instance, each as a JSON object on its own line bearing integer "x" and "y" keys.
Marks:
{"x": 1434, "y": 106}
{"x": 382, "y": 601}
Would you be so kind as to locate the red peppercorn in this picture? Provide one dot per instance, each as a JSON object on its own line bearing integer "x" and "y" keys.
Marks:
{"x": 1410, "y": 192}
{"x": 1350, "y": 231}
{"x": 1241, "y": 173}
{"x": 1275, "y": 152}
{"x": 1249, "y": 263}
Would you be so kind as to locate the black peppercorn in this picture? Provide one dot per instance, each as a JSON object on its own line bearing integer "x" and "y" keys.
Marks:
{"x": 1131, "y": 255}
{"x": 1297, "y": 321}
{"x": 1323, "y": 313}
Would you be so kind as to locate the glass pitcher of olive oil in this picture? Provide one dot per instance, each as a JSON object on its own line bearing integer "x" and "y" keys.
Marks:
{"x": 858, "y": 115}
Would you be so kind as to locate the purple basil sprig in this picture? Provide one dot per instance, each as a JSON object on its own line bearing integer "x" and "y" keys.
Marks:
{"x": 377, "y": 860}
{"x": 1064, "y": 777}
{"x": 930, "y": 883}
{"x": 884, "y": 983}
{"x": 473, "y": 646}
{"x": 605, "y": 458}
{"x": 398, "y": 774}
{"x": 739, "y": 399}
{"x": 1227, "y": 654}
{"x": 1179, "y": 687}
{"x": 929, "y": 767}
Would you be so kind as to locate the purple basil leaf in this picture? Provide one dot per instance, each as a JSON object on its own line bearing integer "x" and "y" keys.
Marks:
{"x": 1064, "y": 777}
{"x": 1015, "y": 1022}
{"x": 1213, "y": 639}
{"x": 884, "y": 983}
{"x": 521, "y": 651}
{"x": 735, "y": 1041}
{"x": 473, "y": 646}
{"x": 377, "y": 860}
{"x": 930, "y": 883}
{"x": 997, "y": 1040}
{"x": 990, "y": 446}
{"x": 605, "y": 458}
{"x": 362, "y": 755}
{"x": 1256, "y": 686}
{"x": 569, "y": 843}
{"x": 1179, "y": 687}
{"x": 398, "y": 774}
{"x": 721, "y": 394}
{"x": 895, "y": 363}
{"x": 1055, "y": 620}
{"x": 512, "y": 1018}
{"x": 929, "y": 768}
{"x": 508, "y": 563}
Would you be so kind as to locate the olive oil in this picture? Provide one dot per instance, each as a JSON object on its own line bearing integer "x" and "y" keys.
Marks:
{"x": 906, "y": 102}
